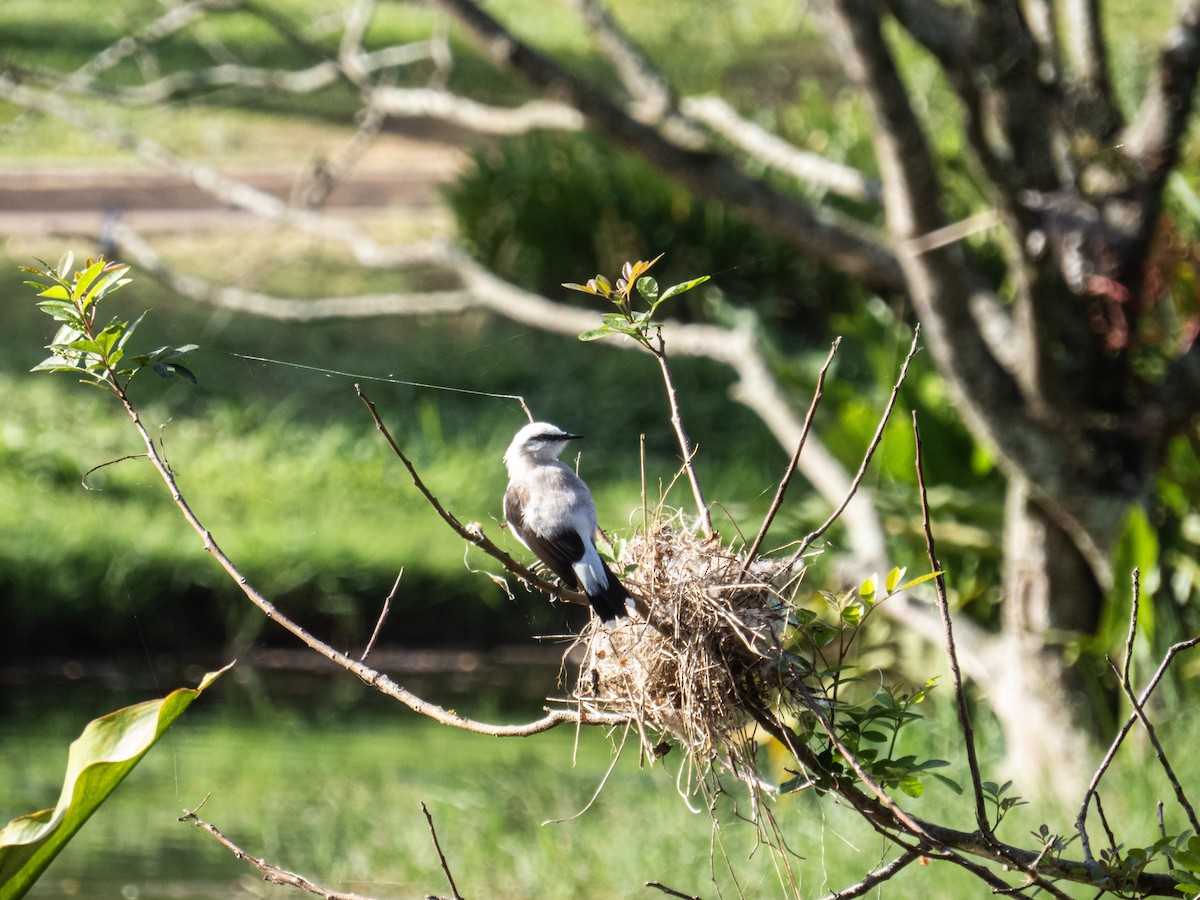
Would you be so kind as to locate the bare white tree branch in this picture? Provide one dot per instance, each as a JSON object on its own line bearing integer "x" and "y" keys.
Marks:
{"x": 759, "y": 144}
{"x": 174, "y": 20}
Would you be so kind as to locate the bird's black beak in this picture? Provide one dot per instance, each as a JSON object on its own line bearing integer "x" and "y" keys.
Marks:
{"x": 571, "y": 437}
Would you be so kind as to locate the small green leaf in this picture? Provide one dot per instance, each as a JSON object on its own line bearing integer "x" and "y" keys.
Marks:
{"x": 183, "y": 372}
{"x": 596, "y": 333}
{"x": 919, "y": 580}
{"x": 79, "y": 291}
{"x": 798, "y": 783}
{"x": 677, "y": 289}
{"x": 107, "y": 339}
{"x": 648, "y": 288}
{"x": 85, "y": 345}
{"x": 112, "y": 280}
{"x": 55, "y": 364}
{"x": 866, "y": 590}
{"x": 948, "y": 782}
{"x": 893, "y": 579}
{"x": 912, "y": 786}
{"x": 56, "y": 292}
{"x": 852, "y": 614}
{"x": 582, "y": 288}
{"x": 65, "y": 263}
{"x": 62, "y": 311}
{"x": 130, "y": 329}
{"x": 932, "y": 764}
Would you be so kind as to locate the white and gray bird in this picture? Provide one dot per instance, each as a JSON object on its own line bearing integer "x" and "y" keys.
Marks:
{"x": 552, "y": 513}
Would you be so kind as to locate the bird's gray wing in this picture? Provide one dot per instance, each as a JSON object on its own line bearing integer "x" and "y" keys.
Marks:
{"x": 558, "y": 551}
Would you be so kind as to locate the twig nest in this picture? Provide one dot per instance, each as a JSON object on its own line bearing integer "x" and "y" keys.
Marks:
{"x": 701, "y": 657}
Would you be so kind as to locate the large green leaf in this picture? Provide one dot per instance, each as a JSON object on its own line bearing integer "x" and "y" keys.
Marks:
{"x": 98, "y": 761}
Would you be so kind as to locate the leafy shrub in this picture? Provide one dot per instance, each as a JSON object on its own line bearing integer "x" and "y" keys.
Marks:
{"x": 536, "y": 206}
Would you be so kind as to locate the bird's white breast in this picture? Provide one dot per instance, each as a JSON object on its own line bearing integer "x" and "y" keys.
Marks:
{"x": 557, "y": 499}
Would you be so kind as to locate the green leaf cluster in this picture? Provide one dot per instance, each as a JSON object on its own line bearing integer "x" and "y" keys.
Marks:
{"x": 1184, "y": 853}
{"x": 867, "y": 729}
{"x": 82, "y": 345}
{"x": 995, "y": 796}
{"x": 628, "y": 321}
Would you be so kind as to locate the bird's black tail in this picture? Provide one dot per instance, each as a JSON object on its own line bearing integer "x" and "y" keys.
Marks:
{"x": 609, "y": 604}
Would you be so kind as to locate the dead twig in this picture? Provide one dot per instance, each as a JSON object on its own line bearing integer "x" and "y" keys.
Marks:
{"x": 866, "y": 461}
{"x": 1139, "y": 711}
{"x": 943, "y": 605}
{"x": 441, "y": 856}
{"x": 1091, "y": 792}
{"x": 685, "y": 444}
{"x": 791, "y": 469}
{"x": 111, "y": 462}
{"x": 879, "y": 876}
{"x": 270, "y": 873}
{"x": 387, "y": 605}
{"x": 671, "y": 892}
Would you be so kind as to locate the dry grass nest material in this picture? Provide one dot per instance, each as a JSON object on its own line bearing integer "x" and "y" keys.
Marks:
{"x": 705, "y": 654}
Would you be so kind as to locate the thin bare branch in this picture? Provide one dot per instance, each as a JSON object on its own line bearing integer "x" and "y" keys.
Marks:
{"x": 1123, "y": 675}
{"x": 292, "y": 81}
{"x": 383, "y": 613}
{"x": 759, "y": 144}
{"x": 795, "y": 461}
{"x": 685, "y": 444}
{"x": 84, "y": 479}
{"x": 1142, "y": 699}
{"x": 878, "y": 877}
{"x": 269, "y": 872}
{"x": 1159, "y": 752}
{"x": 943, "y": 604}
{"x": 646, "y": 85}
{"x": 1131, "y": 632}
{"x": 671, "y": 892}
{"x": 174, "y": 20}
{"x": 370, "y": 676}
{"x": 870, "y": 453}
{"x": 324, "y": 175}
{"x": 481, "y": 117}
{"x": 441, "y": 856}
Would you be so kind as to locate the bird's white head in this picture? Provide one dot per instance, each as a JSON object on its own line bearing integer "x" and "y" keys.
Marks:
{"x": 537, "y": 442}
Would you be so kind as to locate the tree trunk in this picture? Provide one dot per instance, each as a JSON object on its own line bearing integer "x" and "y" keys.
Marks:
{"x": 1051, "y": 596}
